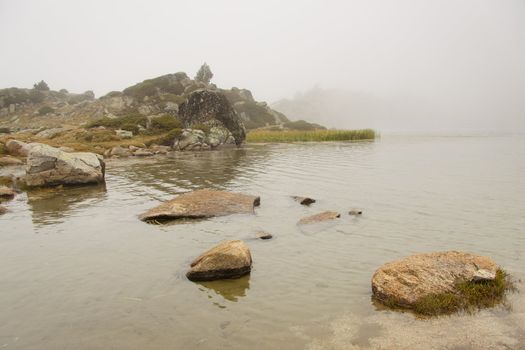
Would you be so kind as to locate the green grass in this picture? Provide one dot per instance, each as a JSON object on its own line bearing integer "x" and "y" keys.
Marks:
{"x": 469, "y": 297}
{"x": 314, "y": 135}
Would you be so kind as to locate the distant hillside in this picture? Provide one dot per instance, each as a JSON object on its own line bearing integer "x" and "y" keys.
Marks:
{"x": 41, "y": 107}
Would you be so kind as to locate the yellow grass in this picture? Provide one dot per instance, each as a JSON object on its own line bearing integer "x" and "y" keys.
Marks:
{"x": 313, "y": 135}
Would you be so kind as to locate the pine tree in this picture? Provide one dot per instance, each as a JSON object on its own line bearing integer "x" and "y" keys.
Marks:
{"x": 42, "y": 86}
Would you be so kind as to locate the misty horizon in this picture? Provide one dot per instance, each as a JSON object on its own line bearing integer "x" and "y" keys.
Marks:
{"x": 421, "y": 65}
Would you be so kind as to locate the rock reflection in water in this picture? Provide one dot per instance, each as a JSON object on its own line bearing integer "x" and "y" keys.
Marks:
{"x": 54, "y": 204}
{"x": 230, "y": 290}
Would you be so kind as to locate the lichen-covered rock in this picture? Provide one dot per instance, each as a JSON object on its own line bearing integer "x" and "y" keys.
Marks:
{"x": 204, "y": 203}
{"x": 405, "y": 281}
{"x": 231, "y": 259}
{"x": 190, "y": 139}
{"x": 49, "y": 166}
{"x": 212, "y": 108}
{"x": 321, "y": 217}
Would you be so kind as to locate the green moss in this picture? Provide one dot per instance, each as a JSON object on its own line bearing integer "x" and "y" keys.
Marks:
{"x": 129, "y": 121}
{"x": 166, "y": 139}
{"x": 202, "y": 127}
{"x": 470, "y": 296}
{"x": 165, "y": 122}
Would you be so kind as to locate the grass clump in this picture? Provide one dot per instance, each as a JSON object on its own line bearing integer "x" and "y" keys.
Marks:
{"x": 166, "y": 139}
{"x": 470, "y": 296}
{"x": 165, "y": 122}
{"x": 306, "y": 136}
{"x": 126, "y": 122}
{"x": 202, "y": 127}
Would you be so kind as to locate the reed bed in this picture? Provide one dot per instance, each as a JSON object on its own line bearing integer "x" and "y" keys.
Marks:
{"x": 309, "y": 136}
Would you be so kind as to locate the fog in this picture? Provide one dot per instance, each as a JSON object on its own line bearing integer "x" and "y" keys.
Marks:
{"x": 414, "y": 65}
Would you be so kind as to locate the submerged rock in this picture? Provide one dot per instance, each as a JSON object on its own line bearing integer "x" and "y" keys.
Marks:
{"x": 264, "y": 235}
{"x": 212, "y": 108}
{"x": 203, "y": 204}
{"x": 321, "y": 217}
{"x": 6, "y": 193}
{"x": 303, "y": 200}
{"x": 231, "y": 259}
{"x": 404, "y": 282}
{"x": 49, "y": 166}
{"x": 6, "y": 161}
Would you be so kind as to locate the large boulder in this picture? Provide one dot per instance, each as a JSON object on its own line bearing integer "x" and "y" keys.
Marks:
{"x": 404, "y": 282}
{"x": 231, "y": 259}
{"x": 213, "y": 109}
{"x": 49, "y": 166}
{"x": 204, "y": 203}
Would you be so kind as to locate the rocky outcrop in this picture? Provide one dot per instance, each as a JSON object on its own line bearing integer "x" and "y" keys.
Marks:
{"x": 404, "y": 282}
{"x": 49, "y": 166}
{"x": 231, "y": 259}
{"x": 211, "y": 108}
{"x": 204, "y": 203}
{"x": 6, "y": 161}
{"x": 303, "y": 200}
{"x": 321, "y": 217}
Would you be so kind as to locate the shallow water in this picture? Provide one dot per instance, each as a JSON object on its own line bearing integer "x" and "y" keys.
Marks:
{"x": 79, "y": 270}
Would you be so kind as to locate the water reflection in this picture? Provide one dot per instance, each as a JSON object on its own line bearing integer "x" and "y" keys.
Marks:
{"x": 54, "y": 205}
{"x": 230, "y": 290}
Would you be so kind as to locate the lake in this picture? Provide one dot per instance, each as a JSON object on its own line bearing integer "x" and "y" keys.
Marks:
{"x": 78, "y": 270}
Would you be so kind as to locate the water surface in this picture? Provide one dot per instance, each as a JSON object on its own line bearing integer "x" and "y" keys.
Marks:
{"x": 79, "y": 270}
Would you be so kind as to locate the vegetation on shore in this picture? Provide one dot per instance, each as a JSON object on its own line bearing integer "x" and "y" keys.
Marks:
{"x": 312, "y": 135}
{"x": 469, "y": 297}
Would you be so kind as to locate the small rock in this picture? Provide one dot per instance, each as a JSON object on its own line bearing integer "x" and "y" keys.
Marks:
{"x": 483, "y": 275}
{"x": 355, "y": 212}
{"x": 231, "y": 259}
{"x": 2, "y": 210}
{"x": 303, "y": 200}
{"x": 321, "y": 217}
{"x": 124, "y": 134}
{"x": 264, "y": 235}
{"x": 5, "y": 161}
{"x": 142, "y": 153}
{"x": 6, "y": 192}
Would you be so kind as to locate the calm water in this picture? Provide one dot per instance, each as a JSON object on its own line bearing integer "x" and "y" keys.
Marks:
{"x": 78, "y": 270}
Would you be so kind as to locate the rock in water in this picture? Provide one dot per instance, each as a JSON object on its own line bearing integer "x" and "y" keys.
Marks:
{"x": 324, "y": 216}
{"x": 2, "y": 210}
{"x": 303, "y": 200}
{"x": 406, "y": 281}
{"x": 213, "y": 109}
{"x": 264, "y": 235}
{"x": 6, "y": 193}
{"x": 49, "y": 166}
{"x": 231, "y": 259}
{"x": 203, "y": 204}
{"x": 355, "y": 212}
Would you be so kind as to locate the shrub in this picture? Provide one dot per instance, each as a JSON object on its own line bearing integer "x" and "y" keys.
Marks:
{"x": 36, "y": 96}
{"x": 165, "y": 122}
{"x": 204, "y": 74}
{"x": 45, "y": 110}
{"x": 129, "y": 121}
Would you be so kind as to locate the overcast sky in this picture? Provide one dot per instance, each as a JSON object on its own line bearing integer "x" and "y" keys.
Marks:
{"x": 463, "y": 57}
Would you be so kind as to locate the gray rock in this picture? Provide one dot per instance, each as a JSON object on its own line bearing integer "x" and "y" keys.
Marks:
{"x": 50, "y": 133}
{"x": 142, "y": 153}
{"x": 171, "y": 107}
{"x": 124, "y": 134}
{"x": 190, "y": 139}
{"x": 481, "y": 275}
{"x": 49, "y": 166}
{"x": 120, "y": 152}
{"x": 213, "y": 109}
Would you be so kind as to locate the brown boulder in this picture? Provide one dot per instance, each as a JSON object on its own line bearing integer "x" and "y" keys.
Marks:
{"x": 6, "y": 193}
{"x": 204, "y": 203}
{"x": 17, "y": 148}
{"x": 231, "y": 259}
{"x": 405, "y": 281}
{"x": 321, "y": 217}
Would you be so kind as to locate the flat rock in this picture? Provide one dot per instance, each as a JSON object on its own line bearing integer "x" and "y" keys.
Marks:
{"x": 203, "y": 204}
{"x": 303, "y": 200}
{"x": 49, "y": 166}
{"x": 407, "y": 280}
{"x": 321, "y": 217}
{"x": 231, "y": 259}
{"x": 6, "y": 161}
{"x": 142, "y": 153}
{"x": 6, "y": 192}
